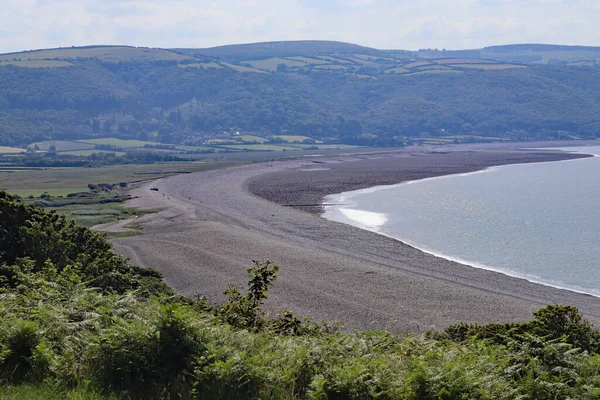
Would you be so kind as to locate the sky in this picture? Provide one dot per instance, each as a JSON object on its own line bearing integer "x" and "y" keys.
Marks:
{"x": 383, "y": 24}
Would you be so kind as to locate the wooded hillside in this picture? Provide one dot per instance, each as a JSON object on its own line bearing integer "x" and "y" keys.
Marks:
{"x": 328, "y": 91}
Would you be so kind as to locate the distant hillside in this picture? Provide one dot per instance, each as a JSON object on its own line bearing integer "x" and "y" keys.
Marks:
{"x": 280, "y": 49}
{"x": 330, "y": 92}
{"x": 526, "y": 53}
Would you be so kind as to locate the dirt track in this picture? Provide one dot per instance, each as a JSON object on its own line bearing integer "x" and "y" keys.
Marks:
{"x": 211, "y": 227}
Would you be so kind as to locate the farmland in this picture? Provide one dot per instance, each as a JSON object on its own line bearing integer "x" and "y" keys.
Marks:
{"x": 10, "y": 150}
{"x": 117, "y": 142}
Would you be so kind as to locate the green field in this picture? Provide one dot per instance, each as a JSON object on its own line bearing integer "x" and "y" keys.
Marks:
{"x": 54, "y": 192}
{"x": 261, "y": 147}
{"x": 417, "y": 64}
{"x": 62, "y": 181}
{"x": 105, "y": 53}
{"x": 335, "y": 59}
{"x": 463, "y": 61}
{"x": 62, "y": 145}
{"x": 193, "y": 148}
{"x": 397, "y": 70}
{"x": 489, "y": 66}
{"x": 94, "y": 214}
{"x": 434, "y": 71}
{"x": 330, "y": 66}
{"x": 10, "y": 150}
{"x": 86, "y": 153}
{"x": 240, "y": 68}
{"x": 307, "y": 60}
{"x": 333, "y": 146}
{"x": 272, "y": 63}
{"x": 432, "y": 67}
{"x": 118, "y": 142}
{"x": 37, "y": 63}
{"x": 253, "y": 138}
{"x": 293, "y": 138}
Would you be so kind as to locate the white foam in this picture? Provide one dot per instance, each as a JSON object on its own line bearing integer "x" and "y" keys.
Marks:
{"x": 364, "y": 219}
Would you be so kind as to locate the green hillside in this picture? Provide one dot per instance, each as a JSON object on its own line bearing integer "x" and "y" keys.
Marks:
{"x": 327, "y": 91}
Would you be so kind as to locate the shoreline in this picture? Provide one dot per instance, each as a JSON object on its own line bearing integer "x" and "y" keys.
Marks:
{"x": 213, "y": 223}
{"x": 327, "y": 203}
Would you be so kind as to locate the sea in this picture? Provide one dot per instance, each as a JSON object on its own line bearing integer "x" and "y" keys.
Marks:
{"x": 540, "y": 221}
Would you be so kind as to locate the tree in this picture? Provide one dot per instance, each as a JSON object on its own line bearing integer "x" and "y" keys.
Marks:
{"x": 51, "y": 151}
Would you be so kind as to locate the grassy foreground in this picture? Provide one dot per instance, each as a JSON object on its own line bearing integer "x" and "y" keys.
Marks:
{"x": 78, "y": 321}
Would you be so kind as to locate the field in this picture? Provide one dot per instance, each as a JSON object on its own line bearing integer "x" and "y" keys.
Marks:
{"x": 62, "y": 145}
{"x": 10, "y": 150}
{"x": 434, "y": 71}
{"x": 417, "y": 64}
{"x": 489, "y": 66}
{"x": 397, "y": 70}
{"x": 294, "y": 138}
{"x": 240, "y": 68}
{"x": 463, "y": 61}
{"x": 192, "y": 148}
{"x": 431, "y": 67}
{"x": 272, "y": 63}
{"x": 253, "y": 138}
{"x": 62, "y": 181}
{"x": 330, "y": 67}
{"x": 94, "y": 214}
{"x": 37, "y": 63}
{"x": 105, "y": 53}
{"x": 307, "y": 60}
{"x": 118, "y": 142}
{"x": 336, "y": 60}
{"x": 261, "y": 147}
{"x": 86, "y": 153}
{"x": 334, "y": 146}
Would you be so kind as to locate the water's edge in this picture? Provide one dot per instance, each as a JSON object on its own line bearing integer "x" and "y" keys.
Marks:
{"x": 329, "y": 207}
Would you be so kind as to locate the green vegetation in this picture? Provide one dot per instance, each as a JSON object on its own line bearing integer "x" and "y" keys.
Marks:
{"x": 328, "y": 91}
{"x": 78, "y": 321}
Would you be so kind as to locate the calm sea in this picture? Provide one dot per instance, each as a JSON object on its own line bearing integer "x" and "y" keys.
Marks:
{"x": 537, "y": 221}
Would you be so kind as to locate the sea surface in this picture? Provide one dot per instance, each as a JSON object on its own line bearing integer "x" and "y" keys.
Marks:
{"x": 536, "y": 221}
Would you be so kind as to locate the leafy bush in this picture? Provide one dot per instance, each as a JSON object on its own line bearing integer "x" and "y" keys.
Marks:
{"x": 554, "y": 322}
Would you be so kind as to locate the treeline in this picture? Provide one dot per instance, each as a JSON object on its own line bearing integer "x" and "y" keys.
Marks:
{"x": 179, "y": 103}
{"x": 78, "y": 321}
{"x": 93, "y": 160}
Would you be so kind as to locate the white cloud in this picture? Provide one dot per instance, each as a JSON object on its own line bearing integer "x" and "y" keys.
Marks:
{"x": 29, "y": 24}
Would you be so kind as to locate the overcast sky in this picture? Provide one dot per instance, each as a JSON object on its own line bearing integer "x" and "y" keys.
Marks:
{"x": 456, "y": 24}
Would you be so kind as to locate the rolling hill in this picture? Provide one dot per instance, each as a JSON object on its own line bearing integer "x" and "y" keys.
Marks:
{"x": 327, "y": 91}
